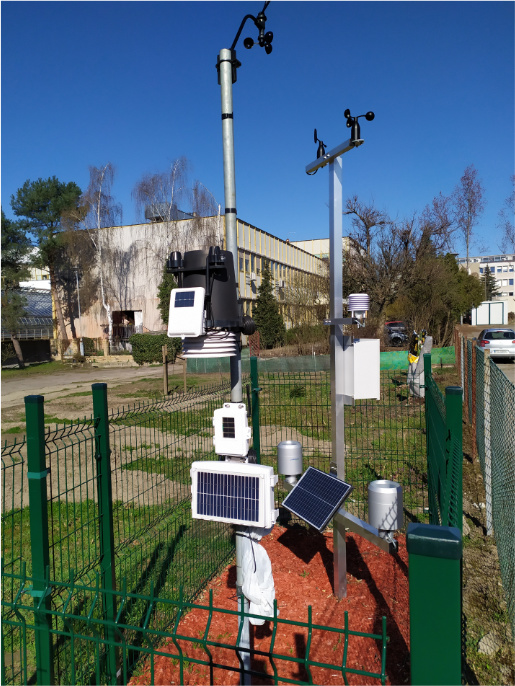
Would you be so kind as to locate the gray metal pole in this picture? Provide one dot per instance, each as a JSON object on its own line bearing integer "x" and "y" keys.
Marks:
{"x": 336, "y": 349}
{"x": 230, "y": 195}
{"x": 232, "y": 245}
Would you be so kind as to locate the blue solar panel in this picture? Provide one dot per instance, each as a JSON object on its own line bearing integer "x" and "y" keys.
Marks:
{"x": 184, "y": 298}
{"x": 230, "y": 496}
{"x": 317, "y": 497}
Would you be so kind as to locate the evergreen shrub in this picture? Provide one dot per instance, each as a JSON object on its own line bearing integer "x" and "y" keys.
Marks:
{"x": 147, "y": 348}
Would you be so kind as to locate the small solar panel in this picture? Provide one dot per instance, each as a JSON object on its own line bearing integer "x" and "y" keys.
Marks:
{"x": 233, "y": 492}
{"x": 317, "y": 497}
{"x": 229, "y": 496}
{"x": 184, "y": 298}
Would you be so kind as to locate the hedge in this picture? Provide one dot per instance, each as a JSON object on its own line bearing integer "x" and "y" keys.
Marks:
{"x": 147, "y": 348}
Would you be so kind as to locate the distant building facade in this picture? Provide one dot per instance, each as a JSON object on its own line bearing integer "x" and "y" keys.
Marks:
{"x": 137, "y": 255}
{"x": 502, "y": 267}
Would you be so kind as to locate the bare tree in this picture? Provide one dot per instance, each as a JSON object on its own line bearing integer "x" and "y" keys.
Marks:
{"x": 204, "y": 207}
{"x": 468, "y": 205}
{"x": 96, "y": 213}
{"x": 158, "y": 195}
{"x": 388, "y": 262}
{"x": 507, "y": 222}
{"x": 366, "y": 221}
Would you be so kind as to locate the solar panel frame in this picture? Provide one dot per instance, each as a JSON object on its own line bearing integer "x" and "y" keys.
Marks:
{"x": 233, "y": 492}
{"x": 317, "y": 497}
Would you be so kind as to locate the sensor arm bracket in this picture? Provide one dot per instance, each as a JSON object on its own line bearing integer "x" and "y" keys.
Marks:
{"x": 332, "y": 155}
{"x": 368, "y": 532}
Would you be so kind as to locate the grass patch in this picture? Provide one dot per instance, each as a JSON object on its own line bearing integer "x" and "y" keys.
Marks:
{"x": 34, "y": 370}
{"x": 14, "y": 430}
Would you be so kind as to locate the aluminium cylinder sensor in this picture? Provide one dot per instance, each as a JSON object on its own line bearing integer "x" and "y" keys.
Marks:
{"x": 385, "y": 511}
{"x": 289, "y": 460}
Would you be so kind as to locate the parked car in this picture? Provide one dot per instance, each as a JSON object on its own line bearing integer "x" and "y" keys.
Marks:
{"x": 396, "y": 333}
{"x": 500, "y": 342}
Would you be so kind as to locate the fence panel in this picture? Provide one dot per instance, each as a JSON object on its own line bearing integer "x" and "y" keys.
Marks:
{"x": 78, "y": 625}
{"x": 502, "y": 435}
{"x": 384, "y": 439}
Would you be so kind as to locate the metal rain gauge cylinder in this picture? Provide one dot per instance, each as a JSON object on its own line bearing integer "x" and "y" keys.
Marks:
{"x": 289, "y": 460}
{"x": 385, "y": 511}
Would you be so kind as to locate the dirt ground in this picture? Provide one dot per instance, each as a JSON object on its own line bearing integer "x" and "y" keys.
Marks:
{"x": 302, "y": 563}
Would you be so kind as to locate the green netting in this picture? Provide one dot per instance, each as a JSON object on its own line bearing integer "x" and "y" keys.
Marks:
{"x": 311, "y": 363}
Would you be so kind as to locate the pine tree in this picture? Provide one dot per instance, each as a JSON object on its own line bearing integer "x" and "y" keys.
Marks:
{"x": 266, "y": 313}
{"x": 489, "y": 283}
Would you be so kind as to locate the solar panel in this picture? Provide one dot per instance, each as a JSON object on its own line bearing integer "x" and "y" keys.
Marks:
{"x": 184, "y": 298}
{"x": 317, "y": 497}
{"x": 233, "y": 492}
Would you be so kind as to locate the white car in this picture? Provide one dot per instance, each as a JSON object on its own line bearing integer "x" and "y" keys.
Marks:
{"x": 500, "y": 342}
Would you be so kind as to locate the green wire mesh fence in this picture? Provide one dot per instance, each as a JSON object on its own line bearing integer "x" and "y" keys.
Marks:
{"x": 490, "y": 410}
{"x": 157, "y": 548}
{"x": 78, "y": 624}
{"x": 384, "y": 439}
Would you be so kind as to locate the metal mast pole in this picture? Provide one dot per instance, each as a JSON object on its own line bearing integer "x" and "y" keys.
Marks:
{"x": 225, "y": 66}
{"x": 336, "y": 357}
{"x": 338, "y": 342}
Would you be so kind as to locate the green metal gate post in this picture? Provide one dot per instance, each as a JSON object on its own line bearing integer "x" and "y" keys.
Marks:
{"x": 105, "y": 506}
{"x": 254, "y": 380}
{"x": 38, "y": 517}
{"x": 435, "y": 603}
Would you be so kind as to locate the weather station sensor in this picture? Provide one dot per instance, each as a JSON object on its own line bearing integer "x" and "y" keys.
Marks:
{"x": 233, "y": 492}
{"x": 232, "y": 432}
{"x": 186, "y": 314}
{"x": 205, "y": 311}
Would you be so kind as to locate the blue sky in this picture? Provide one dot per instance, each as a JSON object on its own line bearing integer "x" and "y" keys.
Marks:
{"x": 135, "y": 83}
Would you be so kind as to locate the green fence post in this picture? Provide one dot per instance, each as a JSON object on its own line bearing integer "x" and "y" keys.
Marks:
{"x": 435, "y": 603}
{"x": 427, "y": 366}
{"x": 254, "y": 380}
{"x": 454, "y": 448}
{"x": 38, "y": 517}
{"x": 105, "y": 507}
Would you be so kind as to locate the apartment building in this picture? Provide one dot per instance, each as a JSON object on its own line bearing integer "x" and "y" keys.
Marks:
{"x": 500, "y": 266}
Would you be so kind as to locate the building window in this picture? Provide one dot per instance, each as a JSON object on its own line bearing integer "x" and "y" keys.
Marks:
{"x": 499, "y": 269}
{"x": 480, "y": 270}
{"x": 505, "y": 269}
{"x": 510, "y": 282}
{"x": 511, "y": 267}
{"x": 492, "y": 269}
{"x": 505, "y": 282}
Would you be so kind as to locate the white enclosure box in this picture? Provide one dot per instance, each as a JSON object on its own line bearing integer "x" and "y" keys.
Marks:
{"x": 362, "y": 365}
{"x": 234, "y": 492}
{"x": 186, "y": 314}
{"x": 232, "y": 432}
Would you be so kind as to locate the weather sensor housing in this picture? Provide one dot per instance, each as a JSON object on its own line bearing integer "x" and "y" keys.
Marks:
{"x": 186, "y": 314}
{"x": 234, "y": 493}
{"x": 232, "y": 432}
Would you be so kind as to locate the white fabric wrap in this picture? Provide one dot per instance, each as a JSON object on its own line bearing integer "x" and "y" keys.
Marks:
{"x": 258, "y": 583}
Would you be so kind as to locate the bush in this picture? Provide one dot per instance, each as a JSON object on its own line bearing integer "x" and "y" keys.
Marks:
{"x": 147, "y": 348}
{"x": 90, "y": 346}
{"x": 307, "y": 333}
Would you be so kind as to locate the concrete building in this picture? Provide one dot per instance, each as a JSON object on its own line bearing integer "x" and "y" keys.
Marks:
{"x": 134, "y": 257}
{"x": 320, "y": 246}
{"x": 500, "y": 266}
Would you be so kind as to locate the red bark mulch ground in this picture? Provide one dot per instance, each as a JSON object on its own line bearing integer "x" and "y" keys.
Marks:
{"x": 302, "y": 564}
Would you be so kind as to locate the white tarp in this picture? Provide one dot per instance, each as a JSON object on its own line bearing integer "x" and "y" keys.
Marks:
{"x": 258, "y": 583}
